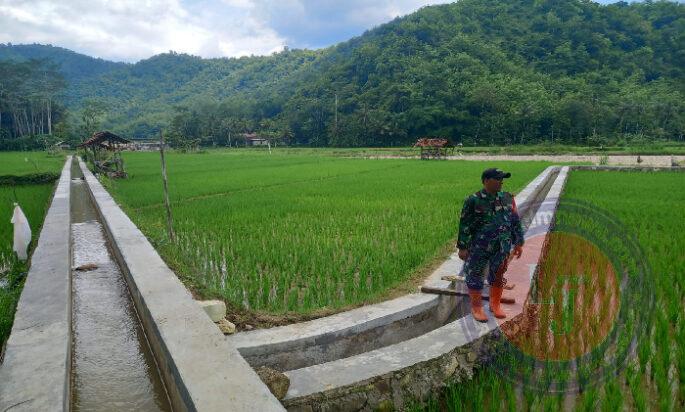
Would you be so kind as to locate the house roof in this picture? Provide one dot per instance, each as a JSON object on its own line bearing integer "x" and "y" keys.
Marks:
{"x": 432, "y": 142}
{"x": 104, "y": 139}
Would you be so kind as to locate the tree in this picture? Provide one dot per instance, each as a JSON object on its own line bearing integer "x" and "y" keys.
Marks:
{"x": 91, "y": 116}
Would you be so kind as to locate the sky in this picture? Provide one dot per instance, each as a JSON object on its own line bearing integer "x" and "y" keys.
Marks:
{"x": 131, "y": 30}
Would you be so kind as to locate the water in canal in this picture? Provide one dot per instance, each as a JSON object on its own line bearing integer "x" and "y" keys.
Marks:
{"x": 113, "y": 367}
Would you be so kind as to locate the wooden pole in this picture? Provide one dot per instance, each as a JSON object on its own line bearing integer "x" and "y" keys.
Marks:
{"x": 169, "y": 219}
{"x": 336, "y": 116}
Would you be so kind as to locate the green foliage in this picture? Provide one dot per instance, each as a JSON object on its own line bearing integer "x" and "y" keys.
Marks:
{"x": 11, "y": 284}
{"x": 29, "y": 179}
{"x": 75, "y": 67}
{"x": 30, "y": 92}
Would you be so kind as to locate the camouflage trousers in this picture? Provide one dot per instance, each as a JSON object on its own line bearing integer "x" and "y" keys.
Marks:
{"x": 482, "y": 257}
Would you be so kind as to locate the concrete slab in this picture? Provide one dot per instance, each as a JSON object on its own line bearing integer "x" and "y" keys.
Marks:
{"x": 215, "y": 309}
{"x": 201, "y": 370}
{"x": 344, "y": 334}
{"x": 353, "y": 370}
{"x": 35, "y": 374}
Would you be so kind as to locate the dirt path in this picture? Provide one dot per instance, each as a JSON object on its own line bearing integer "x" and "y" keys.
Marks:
{"x": 623, "y": 160}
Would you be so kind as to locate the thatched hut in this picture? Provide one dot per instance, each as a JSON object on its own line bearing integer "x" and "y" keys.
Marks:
{"x": 105, "y": 150}
{"x": 434, "y": 148}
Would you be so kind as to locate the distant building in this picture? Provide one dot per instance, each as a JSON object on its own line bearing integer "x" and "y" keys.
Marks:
{"x": 146, "y": 145}
{"x": 434, "y": 147}
{"x": 251, "y": 139}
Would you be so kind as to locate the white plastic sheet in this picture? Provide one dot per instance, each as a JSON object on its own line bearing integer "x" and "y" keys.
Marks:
{"x": 22, "y": 233}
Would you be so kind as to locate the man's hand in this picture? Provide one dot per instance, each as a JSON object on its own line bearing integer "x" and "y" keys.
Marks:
{"x": 463, "y": 254}
{"x": 518, "y": 251}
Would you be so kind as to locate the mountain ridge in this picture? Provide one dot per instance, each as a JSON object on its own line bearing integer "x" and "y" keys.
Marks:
{"x": 447, "y": 69}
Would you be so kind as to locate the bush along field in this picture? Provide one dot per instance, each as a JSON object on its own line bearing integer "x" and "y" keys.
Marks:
{"x": 605, "y": 327}
{"x": 289, "y": 233}
{"x": 26, "y": 178}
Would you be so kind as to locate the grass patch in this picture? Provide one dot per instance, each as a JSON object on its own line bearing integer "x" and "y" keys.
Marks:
{"x": 24, "y": 163}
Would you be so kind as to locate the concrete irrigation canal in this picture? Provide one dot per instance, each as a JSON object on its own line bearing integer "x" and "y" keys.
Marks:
{"x": 112, "y": 364}
{"x": 103, "y": 323}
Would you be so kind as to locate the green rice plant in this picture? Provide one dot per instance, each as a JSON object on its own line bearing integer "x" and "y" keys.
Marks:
{"x": 636, "y": 388}
{"x": 24, "y": 163}
{"x": 292, "y": 233}
{"x": 613, "y": 397}
{"x": 588, "y": 400}
{"x": 680, "y": 357}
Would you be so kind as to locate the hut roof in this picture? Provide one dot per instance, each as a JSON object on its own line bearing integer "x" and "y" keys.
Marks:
{"x": 104, "y": 139}
{"x": 432, "y": 142}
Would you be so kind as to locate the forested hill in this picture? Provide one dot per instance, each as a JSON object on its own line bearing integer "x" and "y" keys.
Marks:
{"x": 75, "y": 67}
{"x": 478, "y": 71}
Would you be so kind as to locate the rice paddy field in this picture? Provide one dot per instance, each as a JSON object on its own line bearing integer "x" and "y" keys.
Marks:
{"x": 34, "y": 200}
{"x": 290, "y": 233}
{"x": 625, "y": 347}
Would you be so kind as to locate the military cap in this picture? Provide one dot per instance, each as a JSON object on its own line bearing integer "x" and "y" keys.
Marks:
{"x": 494, "y": 173}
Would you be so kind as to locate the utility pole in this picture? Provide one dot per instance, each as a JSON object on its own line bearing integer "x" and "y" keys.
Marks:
{"x": 169, "y": 220}
{"x": 336, "y": 114}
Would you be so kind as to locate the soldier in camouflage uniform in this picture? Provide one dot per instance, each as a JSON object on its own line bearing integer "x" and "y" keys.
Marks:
{"x": 488, "y": 228}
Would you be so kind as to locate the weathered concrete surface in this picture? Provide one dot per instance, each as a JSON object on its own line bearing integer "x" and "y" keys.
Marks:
{"x": 277, "y": 382}
{"x": 344, "y": 334}
{"x": 201, "y": 370}
{"x": 407, "y": 370}
{"x": 412, "y": 369}
{"x": 35, "y": 373}
{"x": 370, "y": 327}
{"x": 215, "y": 309}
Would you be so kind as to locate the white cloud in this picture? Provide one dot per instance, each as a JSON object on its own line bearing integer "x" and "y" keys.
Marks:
{"x": 317, "y": 23}
{"x": 131, "y": 30}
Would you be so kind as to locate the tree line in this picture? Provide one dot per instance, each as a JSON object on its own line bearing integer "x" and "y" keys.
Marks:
{"x": 33, "y": 114}
{"x": 476, "y": 71}
{"x": 30, "y": 107}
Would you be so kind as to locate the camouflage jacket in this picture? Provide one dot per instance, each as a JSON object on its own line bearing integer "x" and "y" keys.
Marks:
{"x": 487, "y": 219}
